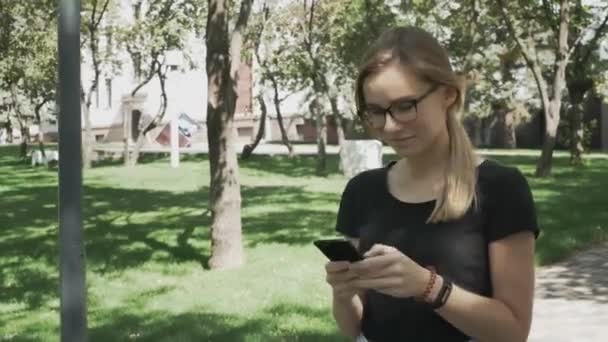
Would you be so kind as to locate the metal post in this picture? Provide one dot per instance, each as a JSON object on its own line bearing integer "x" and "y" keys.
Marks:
{"x": 71, "y": 248}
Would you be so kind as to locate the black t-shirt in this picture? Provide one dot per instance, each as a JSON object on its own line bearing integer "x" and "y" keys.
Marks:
{"x": 457, "y": 249}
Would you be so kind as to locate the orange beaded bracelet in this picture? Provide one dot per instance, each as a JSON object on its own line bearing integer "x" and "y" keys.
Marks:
{"x": 429, "y": 285}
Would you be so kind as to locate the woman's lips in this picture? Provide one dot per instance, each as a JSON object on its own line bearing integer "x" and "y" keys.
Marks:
{"x": 404, "y": 139}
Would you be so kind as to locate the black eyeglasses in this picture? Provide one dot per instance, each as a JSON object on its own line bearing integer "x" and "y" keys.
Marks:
{"x": 402, "y": 110}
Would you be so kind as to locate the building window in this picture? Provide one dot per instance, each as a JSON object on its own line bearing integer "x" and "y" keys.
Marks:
{"x": 245, "y": 132}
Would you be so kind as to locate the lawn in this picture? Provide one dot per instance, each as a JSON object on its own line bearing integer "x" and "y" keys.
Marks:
{"x": 147, "y": 245}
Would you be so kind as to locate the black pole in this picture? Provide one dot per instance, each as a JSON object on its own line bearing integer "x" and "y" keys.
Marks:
{"x": 71, "y": 248}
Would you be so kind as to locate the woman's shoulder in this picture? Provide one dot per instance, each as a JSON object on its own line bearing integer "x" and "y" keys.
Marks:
{"x": 492, "y": 169}
{"x": 497, "y": 177}
{"x": 369, "y": 178}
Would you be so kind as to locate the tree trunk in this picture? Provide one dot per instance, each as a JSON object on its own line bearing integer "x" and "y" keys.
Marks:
{"x": 321, "y": 169}
{"x": 319, "y": 88}
{"x": 277, "y": 108}
{"x": 477, "y": 129}
{"x": 333, "y": 101}
{"x": 128, "y": 115}
{"x": 551, "y": 95}
{"x": 87, "y": 100}
{"x": 576, "y": 134}
{"x": 92, "y": 29}
{"x": 249, "y": 148}
{"x": 141, "y": 138}
{"x": 23, "y": 128}
{"x": 125, "y": 136}
{"x": 552, "y": 107}
{"x": 509, "y": 138}
{"x": 544, "y": 165}
{"x": 40, "y": 134}
{"x": 25, "y": 139}
{"x": 578, "y": 86}
{"x": 223, "y": 60}
{"x": 488, "y": 124}
{"x": 9, "y": 132}
{"x": 134, "y": 157}
{"x": 87, "y": 142}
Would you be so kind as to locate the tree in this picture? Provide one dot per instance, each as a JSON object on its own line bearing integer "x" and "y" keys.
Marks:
{"x": 40, "y": 81}
{"x": 252, "y": 42}
{"x": 222, "y": 62}
{"x": 158, "y": 27}
{"x": 534, "y": 41}
{"x": 28, "y": 63}
{"x": 272, "y": 51}
{"x": 585, "y": 64}
{"x": 473, "y": 33}
{"x": 94, "y": 12}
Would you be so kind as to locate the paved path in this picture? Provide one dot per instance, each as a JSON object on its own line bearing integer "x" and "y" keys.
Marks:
{"x": 572, "y": 299}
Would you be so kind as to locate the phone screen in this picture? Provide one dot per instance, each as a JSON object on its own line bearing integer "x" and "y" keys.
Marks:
{"x": 338, "y": 250}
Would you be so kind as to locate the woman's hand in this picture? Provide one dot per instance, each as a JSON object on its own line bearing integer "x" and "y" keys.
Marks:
{"x": 386, "y": 270}
{"x": 341, "y": 278}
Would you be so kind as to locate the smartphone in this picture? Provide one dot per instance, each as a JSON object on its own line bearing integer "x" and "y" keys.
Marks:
{"x": 338, "y": 250}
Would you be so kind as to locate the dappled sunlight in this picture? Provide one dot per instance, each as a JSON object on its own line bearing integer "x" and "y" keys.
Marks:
{"x": 282, "y": 321}
{"x": 147, "y": 247}
{"x": 582, "y": 277}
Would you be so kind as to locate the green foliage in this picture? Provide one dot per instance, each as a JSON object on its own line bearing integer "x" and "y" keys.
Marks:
{"x": 353, "y": 26}
{"x": 159, "y": 26}
{"x": 564, "y": 134}
{"x": 28, "y": 58}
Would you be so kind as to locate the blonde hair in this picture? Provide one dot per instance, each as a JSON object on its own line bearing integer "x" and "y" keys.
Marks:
{"x": 422, "y": 53}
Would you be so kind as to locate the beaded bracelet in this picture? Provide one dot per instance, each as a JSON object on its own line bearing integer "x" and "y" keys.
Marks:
{"x": 429, "y": 286}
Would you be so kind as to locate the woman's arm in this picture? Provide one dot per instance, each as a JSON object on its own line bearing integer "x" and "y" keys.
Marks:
{"x": 348, "y": 313}
{"x": 507, "y": 316}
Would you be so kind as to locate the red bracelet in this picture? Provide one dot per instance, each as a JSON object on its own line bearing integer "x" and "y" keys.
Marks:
{"x": 429, "y": 286}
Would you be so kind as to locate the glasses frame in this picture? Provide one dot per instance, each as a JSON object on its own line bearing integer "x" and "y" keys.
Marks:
{"x": 415, "y": 102}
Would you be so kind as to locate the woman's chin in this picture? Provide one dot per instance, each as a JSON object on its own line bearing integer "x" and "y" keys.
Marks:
{"x": 407, "y": 149}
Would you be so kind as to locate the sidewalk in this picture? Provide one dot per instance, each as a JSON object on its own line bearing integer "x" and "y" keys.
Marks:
{"x": 572, "y": 299}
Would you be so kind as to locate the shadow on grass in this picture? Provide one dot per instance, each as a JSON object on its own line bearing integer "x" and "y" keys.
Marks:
{"x": 148, "y": 158}
{"x": 298, "y": 166}
{"x": 268, "y": 325}
{"x": 125, "y": 228}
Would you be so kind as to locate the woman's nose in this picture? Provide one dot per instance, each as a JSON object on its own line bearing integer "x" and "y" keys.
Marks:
{"x": 390, "y": 124}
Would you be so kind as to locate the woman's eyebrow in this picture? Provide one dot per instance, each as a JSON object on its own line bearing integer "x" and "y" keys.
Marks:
{"x": 404, "y": 98}
{"x": 373, "y": 105}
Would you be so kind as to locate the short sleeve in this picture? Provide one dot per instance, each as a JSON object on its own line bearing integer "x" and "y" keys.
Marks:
{"x": 511, "y": 208}
{"x": 349, "y": 210}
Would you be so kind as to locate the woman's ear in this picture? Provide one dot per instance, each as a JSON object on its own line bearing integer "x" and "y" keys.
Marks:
{"x": 450, "y": 97}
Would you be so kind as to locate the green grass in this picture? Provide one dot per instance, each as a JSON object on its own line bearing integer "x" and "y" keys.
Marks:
{"x": 147, "y": 245}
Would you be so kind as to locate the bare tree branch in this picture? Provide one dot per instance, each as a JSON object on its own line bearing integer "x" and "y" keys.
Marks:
{"x": 281, "y": 99}
{"x": 532, "y": 63}
{"x": 149, "y": 77}
{"x": 101, "y": 14}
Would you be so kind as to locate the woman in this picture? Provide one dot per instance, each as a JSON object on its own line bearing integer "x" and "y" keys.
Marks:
{"x": 448, "y": 237}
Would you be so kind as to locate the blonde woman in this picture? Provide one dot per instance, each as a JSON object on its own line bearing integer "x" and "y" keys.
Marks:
{"x": 448, "y": 237}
